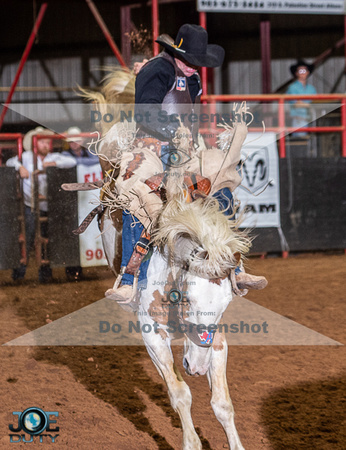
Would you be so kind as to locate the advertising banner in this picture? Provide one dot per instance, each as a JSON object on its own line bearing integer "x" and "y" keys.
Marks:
{"x": 273, "y": 6}
{"x": 259, "y": 192}
{"x": 90, "y": 242}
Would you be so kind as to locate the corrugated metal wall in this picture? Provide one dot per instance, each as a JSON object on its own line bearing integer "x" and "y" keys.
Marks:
{"x": 57, "y": 72}
{"x": 244, "y": 77}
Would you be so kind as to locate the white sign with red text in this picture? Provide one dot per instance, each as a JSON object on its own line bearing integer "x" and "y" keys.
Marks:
{"x": 90, "y": 242}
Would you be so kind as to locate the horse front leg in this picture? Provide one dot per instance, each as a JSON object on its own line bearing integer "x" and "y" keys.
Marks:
{"x": 179, "y": 393}
{"x": 221, "y": 401}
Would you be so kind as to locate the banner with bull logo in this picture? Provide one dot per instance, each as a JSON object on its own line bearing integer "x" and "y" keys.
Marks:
{"x": 259, "y": 191}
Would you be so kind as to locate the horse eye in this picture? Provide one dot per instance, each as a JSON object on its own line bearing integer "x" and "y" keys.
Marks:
{"x": 204, "y": 254}
{"x": 177, "y": 158}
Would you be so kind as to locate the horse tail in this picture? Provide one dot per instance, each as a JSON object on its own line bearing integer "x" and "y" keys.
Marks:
{"x": 117, "y": 93}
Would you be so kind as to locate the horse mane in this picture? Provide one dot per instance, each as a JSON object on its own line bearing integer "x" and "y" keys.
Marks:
{"x": 201, "y": 236}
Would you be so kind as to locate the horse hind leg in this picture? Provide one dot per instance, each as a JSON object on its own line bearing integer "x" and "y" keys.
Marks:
{"x": 221, "y": 401}
{"x": 179, "y": 392}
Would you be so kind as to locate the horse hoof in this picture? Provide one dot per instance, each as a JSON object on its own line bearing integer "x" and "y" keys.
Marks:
{"x": 247, "y": 281}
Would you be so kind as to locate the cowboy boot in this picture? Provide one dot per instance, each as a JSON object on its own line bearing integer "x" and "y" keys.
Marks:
{"x": 247, "y": 281}
{"x": 122, "y": 294}
{"x": 125, "y": 298}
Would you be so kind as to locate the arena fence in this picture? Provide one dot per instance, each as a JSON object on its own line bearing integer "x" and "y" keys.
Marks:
{"x": 280, "y": 117}
{"x": 312, "y": 199}
{"x": 312, "y": 186}
{"x": 61, "y": 248}
{"x": 12, "y": 229}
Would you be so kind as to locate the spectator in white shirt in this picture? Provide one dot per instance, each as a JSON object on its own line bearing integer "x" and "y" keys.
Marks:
{"x": 26, "y": 168}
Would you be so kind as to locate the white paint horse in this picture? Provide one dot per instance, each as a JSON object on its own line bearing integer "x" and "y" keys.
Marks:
{"x": 188, "y": 285}
{"x": 206, "y": 303}
{"x": 177, "y": 300}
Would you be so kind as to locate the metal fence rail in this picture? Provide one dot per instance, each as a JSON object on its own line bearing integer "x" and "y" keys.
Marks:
{"x": 283, "y": 101}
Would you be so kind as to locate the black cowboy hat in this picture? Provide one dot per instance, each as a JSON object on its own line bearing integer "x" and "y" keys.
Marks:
{"x": 191, "y": 45}
{"x": 299, "y": 63}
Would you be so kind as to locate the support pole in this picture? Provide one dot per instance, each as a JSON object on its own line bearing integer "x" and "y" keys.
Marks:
{"x": 344, "y": 43}
{"x": 204, "y": 71}
{"x": 106, "y": 32}
{"x": 155, "y": 25}
{"x": 343, "y": 123}
{"x": 265, "y": 54}
{"x": 36, "y": 202}
{"x": 20, "y": 148}
{"x": 23, "y": 60}
{"x": 282, "y": 137}
{"x": 282, "y": 144}
{"x": 125, "y": 25}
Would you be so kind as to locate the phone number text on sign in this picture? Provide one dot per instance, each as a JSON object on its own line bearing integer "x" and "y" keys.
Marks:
{"x": 269, "y": 6}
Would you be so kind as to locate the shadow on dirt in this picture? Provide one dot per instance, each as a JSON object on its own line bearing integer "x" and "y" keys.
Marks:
{"x": 113, "y": 374}
{"x": 309, "y": 415}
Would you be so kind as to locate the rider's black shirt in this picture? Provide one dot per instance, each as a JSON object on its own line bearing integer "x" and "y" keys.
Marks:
{"x": 153, "y": 82}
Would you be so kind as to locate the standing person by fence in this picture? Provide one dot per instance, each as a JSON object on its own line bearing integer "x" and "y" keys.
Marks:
{"x": 26, "y": 171}
{"x": 300, "y": 109}
{"x": 74, "y": 146}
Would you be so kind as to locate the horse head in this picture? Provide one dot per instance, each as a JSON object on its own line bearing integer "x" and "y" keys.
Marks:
{"x": 200, "y": 238}
{"x": 206, "y": 303}
{"x": 202, "y": 246}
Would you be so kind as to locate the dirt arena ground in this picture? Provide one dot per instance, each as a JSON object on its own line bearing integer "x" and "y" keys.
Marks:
{"x": 285, "y": 397}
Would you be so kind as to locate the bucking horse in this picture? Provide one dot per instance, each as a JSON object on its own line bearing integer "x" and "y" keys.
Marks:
{"x": 195, "y": 248}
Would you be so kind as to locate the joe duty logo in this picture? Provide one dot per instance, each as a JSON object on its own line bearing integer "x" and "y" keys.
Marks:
{"x": 255, "y": 170}
{"x": 34, "y": 421}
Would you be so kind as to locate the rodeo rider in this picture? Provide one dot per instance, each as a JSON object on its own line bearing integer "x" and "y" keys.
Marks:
{"x": 169, "y": 81}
